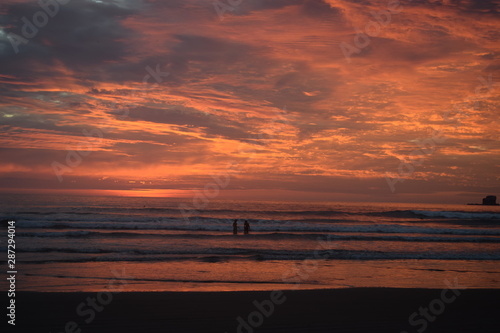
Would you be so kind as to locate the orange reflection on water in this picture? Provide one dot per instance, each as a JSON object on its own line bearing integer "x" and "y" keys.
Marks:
{"x": 216, "y": 274}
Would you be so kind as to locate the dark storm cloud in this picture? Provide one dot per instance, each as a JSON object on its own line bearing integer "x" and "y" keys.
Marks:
{"x": 82, "y": 34}
{"x": 32, "y": 157}
{"x": 151, "y": 153}
{"x": 314, "y": 8}
{"x": 36, "y": 121}
{"x": 216, "y": 56}
{"x": 319, "y": 9}
{"x": 38, "y": 181}
{"x": 206, "y": 49}
{"x": 163, "y": 139}
{"x": 124, "y": 154}
{"x": 189, "y": 117}
{"x": 191, "y": 59}
{"x": 246, "y": 7}
{"x": 482, "y": 6}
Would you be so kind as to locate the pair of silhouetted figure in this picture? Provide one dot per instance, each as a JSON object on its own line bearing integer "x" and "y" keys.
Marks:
{"x": 246, "y": 227}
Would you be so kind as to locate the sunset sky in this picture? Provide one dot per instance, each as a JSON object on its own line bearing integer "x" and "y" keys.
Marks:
{"x": 282, "y": 99}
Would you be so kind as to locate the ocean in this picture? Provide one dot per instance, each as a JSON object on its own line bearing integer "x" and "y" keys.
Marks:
{"x": 76, "y": 243}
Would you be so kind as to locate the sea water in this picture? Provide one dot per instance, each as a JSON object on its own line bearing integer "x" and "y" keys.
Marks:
{"x": 73, "y": 243}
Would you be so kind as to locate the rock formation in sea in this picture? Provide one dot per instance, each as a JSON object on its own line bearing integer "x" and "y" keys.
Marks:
{"x": 490, "y": 200}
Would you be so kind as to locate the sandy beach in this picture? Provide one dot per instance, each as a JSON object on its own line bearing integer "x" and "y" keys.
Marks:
{"x": 340, "y": 310}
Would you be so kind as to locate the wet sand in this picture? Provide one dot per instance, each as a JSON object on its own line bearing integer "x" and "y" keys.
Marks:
{"x": 339, "y": 310}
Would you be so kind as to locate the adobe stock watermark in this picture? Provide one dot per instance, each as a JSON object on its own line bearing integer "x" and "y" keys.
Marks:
{"x": 89, "y": 308}
{"x": 481, "y": 91}
{"x": 211, "y": 190}
{"x": 420, "y": 319}
{"x": 223, "y": 6}
{"x": 94, "y": 136}
{"x": 407, "y": 165}
{"x": 373, "y": 28}
{"x": 300, "y": 272}
{"x": 30, "y": 29}
{"x": 427, "y": 146}
{"x": 308, "y": 266}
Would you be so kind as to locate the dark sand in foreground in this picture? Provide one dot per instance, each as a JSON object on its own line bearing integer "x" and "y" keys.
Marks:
{"x": 342, "y": 310}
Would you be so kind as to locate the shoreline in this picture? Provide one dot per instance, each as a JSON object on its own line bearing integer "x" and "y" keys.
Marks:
{"x": 320, "y": 310}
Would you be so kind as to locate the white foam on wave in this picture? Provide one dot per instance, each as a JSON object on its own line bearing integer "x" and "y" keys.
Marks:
{"x": 458, "y": 215}
{"x": 95, "y": 254}
{"x": 216, "y": 225}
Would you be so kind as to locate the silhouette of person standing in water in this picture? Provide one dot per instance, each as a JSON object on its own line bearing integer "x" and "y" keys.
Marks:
{"x": 246, "y": 228}
{"x": 235, "y": 227}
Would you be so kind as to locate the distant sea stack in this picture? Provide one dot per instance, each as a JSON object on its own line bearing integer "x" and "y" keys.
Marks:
{"x": 489, "y": 200}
